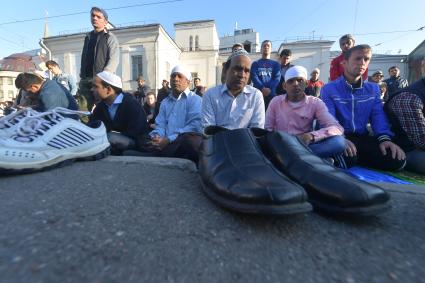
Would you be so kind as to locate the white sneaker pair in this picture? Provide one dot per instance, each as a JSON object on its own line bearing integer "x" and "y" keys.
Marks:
{"x": 31, "y": 140}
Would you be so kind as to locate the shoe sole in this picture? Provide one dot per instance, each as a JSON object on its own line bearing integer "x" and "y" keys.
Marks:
{"x": 351, "y": 211}
{"x": 258, "y": 209}
{"x": 102, "y": 154}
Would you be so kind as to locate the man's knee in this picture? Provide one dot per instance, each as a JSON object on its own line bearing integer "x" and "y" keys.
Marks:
{"x": 120, "y": 142}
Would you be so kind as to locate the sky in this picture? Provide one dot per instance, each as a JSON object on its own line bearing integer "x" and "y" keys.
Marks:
{"x": 390, "y": 27}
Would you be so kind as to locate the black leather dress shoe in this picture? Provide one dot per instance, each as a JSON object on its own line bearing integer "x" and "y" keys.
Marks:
{"x": 236, "y": 175}
{"x": 328, "y": 188}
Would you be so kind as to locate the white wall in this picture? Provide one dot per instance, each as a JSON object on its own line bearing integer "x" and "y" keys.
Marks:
{"x": 206, "y": 32}
{"x": 141, "y": 40}
{"x": 226, "y": 42}
{"x": 168, "y": 57}
{"x": 204, "y": 63}
{"x": 311, "y": 54}
{"x": 384, "y": 62}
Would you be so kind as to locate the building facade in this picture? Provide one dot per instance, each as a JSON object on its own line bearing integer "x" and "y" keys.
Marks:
{"x": 148, "y": 50}
{"x": 12, "y": 65}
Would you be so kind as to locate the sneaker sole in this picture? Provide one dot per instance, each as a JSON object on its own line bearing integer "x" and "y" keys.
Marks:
{"x": 258, "y": 209}
{"x": 61, "y": 163}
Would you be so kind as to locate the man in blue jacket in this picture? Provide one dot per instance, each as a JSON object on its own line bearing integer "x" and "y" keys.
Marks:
{"x": 265, "y": 73}
{"x": 355, "y": 103}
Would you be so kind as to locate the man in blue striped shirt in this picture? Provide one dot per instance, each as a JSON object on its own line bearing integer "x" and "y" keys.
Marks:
{"x": 178, "y": 124}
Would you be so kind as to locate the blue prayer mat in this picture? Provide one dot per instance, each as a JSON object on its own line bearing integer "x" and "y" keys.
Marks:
{"x": 373, "y": 176}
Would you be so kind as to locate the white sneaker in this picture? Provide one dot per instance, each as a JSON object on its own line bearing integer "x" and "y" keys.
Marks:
{"x": 50, "y": 139}
{"x": 8, "y": 123}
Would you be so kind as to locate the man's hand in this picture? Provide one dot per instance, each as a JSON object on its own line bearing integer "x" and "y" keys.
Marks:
{"x": 396, "y": 151}
{"x": 306, "y": 138}
{"x": 266, "y": 91}
{"x": 160, "y": 142}
{"x": 350, "y": 149}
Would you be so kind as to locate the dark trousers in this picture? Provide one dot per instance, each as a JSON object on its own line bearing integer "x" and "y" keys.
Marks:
{"x": 369, "y": 154}
{"x": 267, "y": 100}
{"x": 186, "y": 145}
{"x": 87, "y": 97}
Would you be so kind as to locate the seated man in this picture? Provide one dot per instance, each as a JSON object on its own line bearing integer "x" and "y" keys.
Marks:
{"x": 47, "y": 94}
{"x": 395, "y": 82}
{"x": 234, "y": 104}
{"x": 406, "y": 112}
{"x": 295, "y": 112}
{"x": 355, "y": 103}
{"x": 314, "y": 84}
{"x": 178, "y": 124}
{"x": 151, "y": 108}
{"x": 123, "y": 116}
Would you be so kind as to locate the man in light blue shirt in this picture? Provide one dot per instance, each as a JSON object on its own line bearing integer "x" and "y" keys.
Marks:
{"x": 65, "y": 80}
{"x": 234, "y": 104}
{"x": 178, "y": 124}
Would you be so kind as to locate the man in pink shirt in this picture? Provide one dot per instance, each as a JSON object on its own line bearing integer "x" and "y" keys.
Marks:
{"x": 295, "y": 113}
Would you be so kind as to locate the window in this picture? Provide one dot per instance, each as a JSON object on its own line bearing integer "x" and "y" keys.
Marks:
{"x": 1, "y": 94}
{"x": 10, "y": 94}
{"x": 137, "y": 66}
{"x": 10, "y": 81}
{"x": 194, "y": 75}
{"x": 190, "y": 43}
{"x": 247, "y": 46}
{"x": 196, "y": 43}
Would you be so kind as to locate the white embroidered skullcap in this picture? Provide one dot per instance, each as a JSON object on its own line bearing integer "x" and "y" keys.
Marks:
{"x": 238, "y": 52}
{"x": 110, "y": 78}
{"x": 182, "y": 70}
{"x": 296, "y": 72}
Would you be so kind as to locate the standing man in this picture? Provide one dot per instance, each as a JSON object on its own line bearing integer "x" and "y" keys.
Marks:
{"x": 337, "y": 68}
{"x": 395, "y": 83}
{"x": 142, "y": 90}
{"x": 178, "y": 124}
{"x": 265, "y": 73}
{"x": 66, "y": 80}
{"x": 314, "y": 85}
{"x": 163, "y": 91}
{"x": 100, "y": 53}
{"x": 285, "y": 64}
{"x": 198, "y": 88}
{"x": 234, "y": 104}
{"x": 295, "y": 112}
{"x": 355, "y": 103}
{"x": 377, "y": 77}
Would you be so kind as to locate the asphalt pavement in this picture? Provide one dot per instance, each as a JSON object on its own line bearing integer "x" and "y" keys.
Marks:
{"x": 139, "y": 219}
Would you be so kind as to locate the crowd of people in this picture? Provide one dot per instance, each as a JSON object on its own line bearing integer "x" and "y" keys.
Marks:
{"x": 350, "y": 120}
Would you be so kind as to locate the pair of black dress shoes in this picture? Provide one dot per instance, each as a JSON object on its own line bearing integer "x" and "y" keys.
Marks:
{"x": 273, "y": 173}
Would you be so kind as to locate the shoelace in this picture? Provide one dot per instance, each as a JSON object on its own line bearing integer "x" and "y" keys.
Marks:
{"x": 33, "y": 126}
{"x": 14, "y": 118}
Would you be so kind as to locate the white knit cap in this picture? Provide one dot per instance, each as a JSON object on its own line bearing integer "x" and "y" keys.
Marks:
{"x": 296, "y": 72}
{"x": 182, "y": 70}
{"x": 110, "y": 78}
